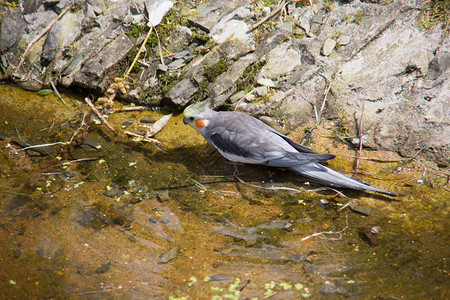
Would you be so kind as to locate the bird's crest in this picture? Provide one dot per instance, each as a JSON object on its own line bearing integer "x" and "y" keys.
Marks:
{"x": 196, "y": 109}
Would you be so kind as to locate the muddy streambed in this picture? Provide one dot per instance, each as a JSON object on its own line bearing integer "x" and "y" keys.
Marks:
{"x": 123, "y": 219}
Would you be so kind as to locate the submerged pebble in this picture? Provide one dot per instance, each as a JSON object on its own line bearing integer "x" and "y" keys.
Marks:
{"x": 148, "y": 120}
{"x": 127, "y": 124}
{"x": 169, "y": 255}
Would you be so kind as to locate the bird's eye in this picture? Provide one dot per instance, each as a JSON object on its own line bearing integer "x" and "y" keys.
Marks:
{"x": 191, "y": 118}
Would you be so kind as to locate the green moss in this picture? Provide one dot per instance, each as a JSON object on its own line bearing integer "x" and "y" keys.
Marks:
{"x": 435, "y": 12}
{"x": 12, "y": 4}
{"x": 356, "y": 17}
{"x": 248, "y": 77}
{"x": 215, "y": 70}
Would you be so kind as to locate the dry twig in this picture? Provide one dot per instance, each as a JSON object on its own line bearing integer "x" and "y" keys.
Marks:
{"x": 101, "y": 117}
{"x": 39, "y": 37}
{"x": 273, "y": 13}
{"x": 360, "y": 133}
{"x": 339, "y": 233}
{"x": 289, "y": 189}
{"x": 131, "y": 108}
{"x": 144, "y": 139}
{"x": 139, "y": 53}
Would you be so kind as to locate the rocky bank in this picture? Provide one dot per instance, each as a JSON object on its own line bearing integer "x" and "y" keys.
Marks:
{"x": 388, "y": 61}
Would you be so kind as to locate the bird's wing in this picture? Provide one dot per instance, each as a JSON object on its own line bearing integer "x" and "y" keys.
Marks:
{"x": 242, "y": 136}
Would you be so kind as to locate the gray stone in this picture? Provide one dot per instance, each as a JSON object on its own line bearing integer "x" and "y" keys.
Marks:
{"x": 162, "y": 68}
{"x": 232, "y": 29}
{"x": 236, "y": 97}
{"x": 13, "y": 27}
{"x": 210, "y": 13}
{"x": 179, "y": 39}
{"x": 181, "y": 54}
{"x": 261, "y": 91}
{"x": 280, "y": 61}
{"x": 181, "y": 93}
{"x": 328, "y": 47}
{"x": 343, "y": 40}
{"x": 317, "y": 21}
{"x": 266, "y": 82}
{"x": 178, "y": 63}
{"x": 227, "y": 80}
{"x": 93, "y": 71}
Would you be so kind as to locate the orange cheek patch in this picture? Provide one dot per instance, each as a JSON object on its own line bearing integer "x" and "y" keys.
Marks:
{"x": 199, "y": 124}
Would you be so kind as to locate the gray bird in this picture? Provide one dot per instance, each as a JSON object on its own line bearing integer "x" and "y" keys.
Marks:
{"x": 242, "y": 138}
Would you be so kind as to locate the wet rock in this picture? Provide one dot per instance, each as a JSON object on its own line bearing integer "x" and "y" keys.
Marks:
{"x": 40, "y": 251}
{"x": 370, "y": 234}
{"x": 113, "y": 191}
{"x": 163, "y": 196}
{"x": 360, "y": 209}
{"x": 90, "y": 144}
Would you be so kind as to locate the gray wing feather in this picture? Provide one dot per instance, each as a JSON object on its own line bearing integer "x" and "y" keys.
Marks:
{"x": 242, "y": 135}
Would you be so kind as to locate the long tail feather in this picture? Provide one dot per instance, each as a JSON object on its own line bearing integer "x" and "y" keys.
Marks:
{"x": 327, "y": 176}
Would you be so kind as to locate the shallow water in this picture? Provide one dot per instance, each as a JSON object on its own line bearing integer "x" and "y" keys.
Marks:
{"x": 128, "y": 220}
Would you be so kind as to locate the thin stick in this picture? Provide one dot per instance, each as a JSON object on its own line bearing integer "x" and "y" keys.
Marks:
{"x": 144, "y": 139}
{"x": 55, "y": 90}
{"x": 132, "y": 108}
{"x": 41, "y": 145}
{"x": 159, "y": 46}
{"x": 324, "y": 98}
{"x": 340, "y": 232}
{"x": 273, "y": 13}
{"x": 289, "y": 189}
{"x": 139, "y": 52}
{"x": 101, "y": 117}
{"x": 41, "y": 35}
{"x": 360, "y": 140}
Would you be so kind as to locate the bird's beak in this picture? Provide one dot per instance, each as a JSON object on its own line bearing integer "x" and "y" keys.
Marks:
{"x": 185, "y": 121}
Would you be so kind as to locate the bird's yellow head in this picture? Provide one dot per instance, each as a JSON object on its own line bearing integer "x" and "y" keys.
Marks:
{"x": 197, "y": 115}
